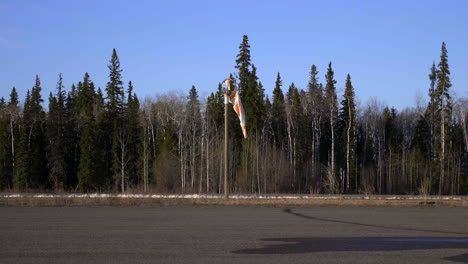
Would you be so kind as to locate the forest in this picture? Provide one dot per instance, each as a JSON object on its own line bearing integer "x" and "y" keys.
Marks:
{"x": 300, "y": 140}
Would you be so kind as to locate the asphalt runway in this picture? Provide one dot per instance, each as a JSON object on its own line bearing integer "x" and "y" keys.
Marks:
{"x": 233, "y": 235}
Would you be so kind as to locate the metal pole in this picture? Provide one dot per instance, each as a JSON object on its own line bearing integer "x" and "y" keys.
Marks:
{"x": 226, "y": 187}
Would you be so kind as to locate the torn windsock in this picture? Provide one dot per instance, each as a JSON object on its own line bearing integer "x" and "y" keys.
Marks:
{"x": 235, "y": 100}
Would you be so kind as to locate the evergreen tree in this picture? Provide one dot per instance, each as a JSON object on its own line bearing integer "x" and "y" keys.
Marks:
{"x": 114, "y": 88}
{"x": 194, "y": 131}
{"x": 243, "y": 64}
{"x": 115, "y": 116}
{"x": 21, "y": 176}
{"x": 296, "y": 131}
{"x": 393, "y": 141}
{"x": 9, "y": 132}
{"x": 432, "y": 108}
{"x": 56, "y": 125}
{"x": 331, "y": 106}
{"x": 133, "y": 126}
{"x": 252, "y": 100}
{"x": 215, "y": 110}
{"x": 87, "y": 168}
{"x": 32, "y": 167}
{"x": 315, "y": 114}
{"x": 13, "y": 98}
{"x": 5, "y": 164}
{"x": 251, "y": 91}
{"x": 71, "y": 146}
{"x": 444, "y": 109}
{"x": 347, "y": 119}
{"x": 101, "y": 131}
{"x": 278, "y": 114}
{"x": 422, "y": 138}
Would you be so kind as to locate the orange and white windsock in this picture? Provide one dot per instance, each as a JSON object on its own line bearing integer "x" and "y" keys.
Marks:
{"x": 235, "y": 100}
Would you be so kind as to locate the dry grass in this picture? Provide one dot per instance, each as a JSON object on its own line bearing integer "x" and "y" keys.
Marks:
{"x": 359, "y": 201}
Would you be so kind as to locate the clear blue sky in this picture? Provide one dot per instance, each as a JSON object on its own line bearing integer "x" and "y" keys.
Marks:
{"x": 386, "y": 46}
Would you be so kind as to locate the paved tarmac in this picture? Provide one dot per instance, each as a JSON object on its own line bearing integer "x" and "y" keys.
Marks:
{"x": 233, "y": 235}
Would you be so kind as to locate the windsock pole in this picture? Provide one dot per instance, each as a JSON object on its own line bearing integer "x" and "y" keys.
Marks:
{"x": 226, "y": 102}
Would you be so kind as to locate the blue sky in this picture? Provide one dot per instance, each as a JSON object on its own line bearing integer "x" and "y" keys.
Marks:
{"x": 386, "y": 46}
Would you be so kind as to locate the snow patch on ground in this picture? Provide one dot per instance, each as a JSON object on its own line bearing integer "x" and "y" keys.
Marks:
{"x": 238, "y": 196}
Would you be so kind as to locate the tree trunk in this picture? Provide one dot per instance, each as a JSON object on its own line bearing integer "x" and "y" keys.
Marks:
{"x": 12, "y": 143}
{"x": 207, "y": 155}
{"x": 201, "y": 159}
{"x": 442, "y": 154}
{"x": 333, "y": 144}
{"x": 348, "y": 145}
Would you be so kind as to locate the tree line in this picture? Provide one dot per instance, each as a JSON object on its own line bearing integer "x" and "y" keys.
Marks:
{"x": 301, "y": 141}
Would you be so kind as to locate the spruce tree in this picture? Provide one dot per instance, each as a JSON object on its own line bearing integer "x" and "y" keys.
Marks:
{"x": 5, "y": 164}
{"x": 133, "y": 126}
{"x": 243, "y": 63}
{"x": 330, "y": 101}
{"x": 114, "y": 88}
{"x": 87, "y": 169}
{"x": 9, "y": 122}
{"x": 31, "y": 156}
{"x": 444, "y": 109}
{"x": 432, "y": 108}
{"x": 71, "y": 145}
{"x": 347, "y": 120}
{"x": 115, "y": 115}
{"x": 56, "y": 125}
{"x": 21, "y": 176}
{"x": 101, "y": 131}
{"x": 215, "y": 110}
{"x": 253, "y": 102}
{"x": 194, "y": 131}
{"x": 295, "y": 129}
{"x": 315, "y": 115}
{"x": 38, "y": 171}
{"x": 278, "y": 114}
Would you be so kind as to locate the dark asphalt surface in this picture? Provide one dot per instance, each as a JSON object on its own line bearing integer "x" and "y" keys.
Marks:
{"x": 233, "y": 235}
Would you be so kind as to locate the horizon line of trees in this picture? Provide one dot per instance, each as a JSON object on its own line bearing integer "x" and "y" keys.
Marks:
{"x": 302, "y": 141}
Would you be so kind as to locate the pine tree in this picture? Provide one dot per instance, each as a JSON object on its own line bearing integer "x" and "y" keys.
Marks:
{"x": 315, "y": 102}
{"x": 331, "y": 106}
{"x": 243, "y": 64}
{"x": 444, "y": 109}
{"x": 38, "y": 170}
{"x": 347, "y": 119}
{"x": 115, "y": 116}
{"x": 87, "y": 168}
{"x": 432, "y": 108}
{"x": 278, "y": 113}
{"x": 21, "y": 176}
{"x": 133, "y": 112}
{"x": 101, "y": 131}
{"x": 194, "y": 131}
{"x": 9, "y": 133}
{"x": 252, "y": 100}
{"x": 392, "y": 141}
{"x": 32, "y": 166}
{"x": 71, "y": 146}
{"x": 114, "y": 88}
{"x": 251, "y": 91}
{"x": 5, "y": 164}
{"x": 56, "y": 125}
{"x": 215, "y": 110}
{"x": 295, "y": 131}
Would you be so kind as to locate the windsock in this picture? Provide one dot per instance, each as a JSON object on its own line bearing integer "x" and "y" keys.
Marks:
{"x": 235, "y": 100}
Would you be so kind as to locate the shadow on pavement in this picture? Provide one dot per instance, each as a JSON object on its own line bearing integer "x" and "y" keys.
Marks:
{"x": 289, "y": 211}
{"x": 300, "y": 245}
